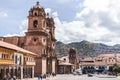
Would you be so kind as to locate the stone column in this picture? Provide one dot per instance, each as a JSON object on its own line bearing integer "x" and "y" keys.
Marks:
{"x": 32, "y": 71}
{"x": 13, "y": 71}
{"x": 9, "y": 69}
{"x": 21, "y": 70}
{"x": 53, "y": 66}
{"x": 44, "y": 65}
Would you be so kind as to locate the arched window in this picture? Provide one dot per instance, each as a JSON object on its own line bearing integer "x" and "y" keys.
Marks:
{"x": 35, "y": 24}
{"x": 35, "y": 14}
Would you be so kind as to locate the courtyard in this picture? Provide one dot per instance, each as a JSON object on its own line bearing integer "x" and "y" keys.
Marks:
{"x": 80, "y": 77}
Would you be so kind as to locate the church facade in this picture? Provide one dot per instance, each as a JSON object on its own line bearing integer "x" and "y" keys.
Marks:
{"x": 39, "y": 38}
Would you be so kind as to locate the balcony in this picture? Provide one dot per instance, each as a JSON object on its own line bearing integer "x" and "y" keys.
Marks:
{"x": 6, "y": 61}
{"x": 30, "y": 63}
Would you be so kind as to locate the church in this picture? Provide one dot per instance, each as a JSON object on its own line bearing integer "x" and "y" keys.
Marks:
{"x": 39, "y": 38}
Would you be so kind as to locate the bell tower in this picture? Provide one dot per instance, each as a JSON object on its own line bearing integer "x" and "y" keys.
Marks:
{"x": 40, "y": 39}
{"x": 36, "y": 18}
{"x": 36, "y": 37}
{"x": 72, "y": 58}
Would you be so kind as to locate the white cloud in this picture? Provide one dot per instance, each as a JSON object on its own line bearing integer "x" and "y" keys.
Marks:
{"x": 77, "y": 31}
{"x": 98, "y": 21}
{"x": 23, "y": 26}
{"x": 9, "y": 35}
{"x": 55, "y": 14}
{"x": 3, "y": 14}
{"x": 48, "y": 10}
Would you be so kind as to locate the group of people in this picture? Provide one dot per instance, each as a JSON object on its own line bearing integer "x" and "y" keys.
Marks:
{"x": 9, "y": 77}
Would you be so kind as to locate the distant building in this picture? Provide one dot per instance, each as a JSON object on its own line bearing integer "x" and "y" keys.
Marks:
{"x": 68, "y": 64}
{"x": 100, "y": 63}
{"x": 64, "y": 67}
{"x": 16, "y": 61}
{"x": 39, "y": 38}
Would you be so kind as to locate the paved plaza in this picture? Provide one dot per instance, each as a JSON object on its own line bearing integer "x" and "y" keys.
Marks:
{"x": 79, "y": 77}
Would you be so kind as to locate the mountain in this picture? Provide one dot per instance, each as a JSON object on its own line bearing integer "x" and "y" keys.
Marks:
{"x": 62, "y": 49}
{"x": 86, "y": 48}
{"x": 117, "y": 46}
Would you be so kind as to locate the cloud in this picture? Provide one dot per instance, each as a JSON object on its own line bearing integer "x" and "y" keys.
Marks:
{"x": 55, "y": 14}
{"x": 3, "y": 14}
{"x": 97, "y": 21}
{"x": 23, "y": 26}
{"x": 9, "y": 35}
{"x": 76, "y": 31}
{"x": 66, "y": 1}
{"x": 48, "y": 10}
{"x": 63, "y": 1}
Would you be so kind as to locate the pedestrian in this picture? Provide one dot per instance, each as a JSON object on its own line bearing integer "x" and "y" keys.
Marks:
{"x": 39, "y": 77}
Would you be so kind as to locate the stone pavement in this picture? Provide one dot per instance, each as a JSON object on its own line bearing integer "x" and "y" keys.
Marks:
{"x": 48, "y": 78}
{"x": 78, "y": 77}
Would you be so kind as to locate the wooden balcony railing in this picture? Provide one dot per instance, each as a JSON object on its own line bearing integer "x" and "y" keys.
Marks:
{"x": 6, "y": 61}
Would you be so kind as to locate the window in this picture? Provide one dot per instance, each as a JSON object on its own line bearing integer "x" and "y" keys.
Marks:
{"x": 16, "y": 59}
{"x": 35, "y": 39}
{"x": 64, "y": 59}
{"x": 35, "y": 24}
{"x": 20, "y": 60}
{"x": 44, "y": 40}
{"x": 35, "y": 14}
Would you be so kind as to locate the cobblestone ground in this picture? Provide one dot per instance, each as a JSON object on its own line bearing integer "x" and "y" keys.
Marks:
{"x": 79, "y": 77}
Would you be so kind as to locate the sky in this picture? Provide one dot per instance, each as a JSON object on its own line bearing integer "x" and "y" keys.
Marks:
{"x": 75, "y": 20}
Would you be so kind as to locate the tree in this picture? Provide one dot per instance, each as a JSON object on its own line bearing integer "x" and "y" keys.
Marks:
{"x": 116, "y": 69}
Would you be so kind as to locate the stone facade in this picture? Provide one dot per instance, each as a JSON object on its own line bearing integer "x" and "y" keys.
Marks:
{"x": 39, "y": 38}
